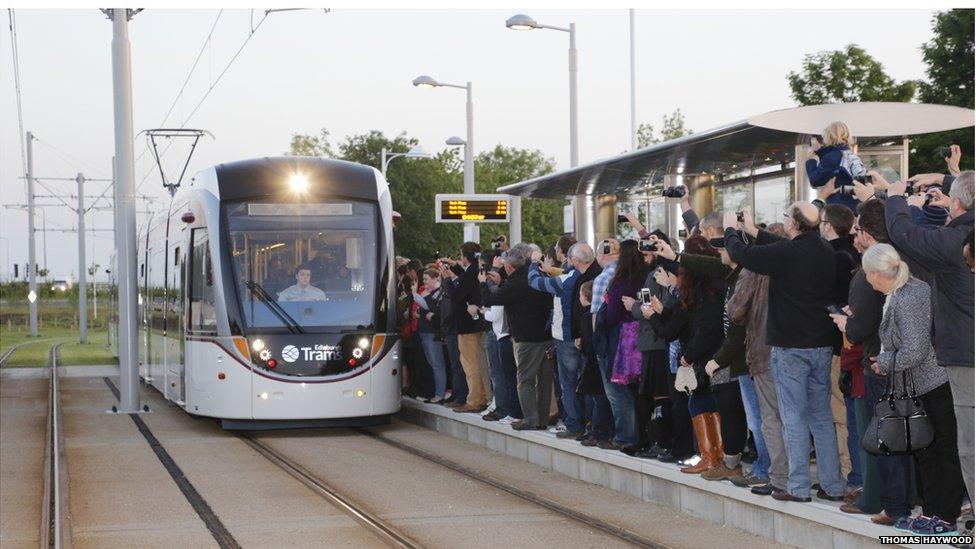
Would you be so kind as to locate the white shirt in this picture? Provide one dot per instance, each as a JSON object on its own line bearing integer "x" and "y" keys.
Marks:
{"x": 496, "y": 315}
{"x": 297, "y": 293}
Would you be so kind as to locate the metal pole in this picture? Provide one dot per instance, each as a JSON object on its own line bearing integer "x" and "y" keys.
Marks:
{"x": 31, "y": 252}
{"x": 515, "y": 220}
{"x": 472, "y": 232}
{"x": 44, "y": 247}
{"x": 633, "y": 86}
{"x": 573, "y": 103}
{"x": 82, "y": 267}
{"x": 383, "y": 162}
{"x": 125, "y": 211}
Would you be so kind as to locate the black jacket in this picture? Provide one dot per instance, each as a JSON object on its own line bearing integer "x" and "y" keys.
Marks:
{"x": 847, "y": 260}
{"x": 939, "y": 249}
{"x": 463, "y": 291}
{"x": 867, "y": 305}
{"x": 433, "y": 301}
{"x": 801, "y": 285}
{"x": 578, "y": 311}
{"x": 699, "y": 329}
{"x": 526, "y": 310}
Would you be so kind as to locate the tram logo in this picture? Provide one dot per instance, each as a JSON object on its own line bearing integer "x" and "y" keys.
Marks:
{"x": 289, "y": 353}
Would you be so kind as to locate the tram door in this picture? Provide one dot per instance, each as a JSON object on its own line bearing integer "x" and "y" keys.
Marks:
{"x": 200, "y": 313}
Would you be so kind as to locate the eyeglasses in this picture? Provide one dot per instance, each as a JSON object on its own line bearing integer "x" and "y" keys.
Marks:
{"x": 857, "y": 229}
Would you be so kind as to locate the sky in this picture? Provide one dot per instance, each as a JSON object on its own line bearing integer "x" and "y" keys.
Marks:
{"x": 350, "y": 71}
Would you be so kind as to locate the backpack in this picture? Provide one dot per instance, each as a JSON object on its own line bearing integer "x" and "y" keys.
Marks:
{"x": 852, "y": 164}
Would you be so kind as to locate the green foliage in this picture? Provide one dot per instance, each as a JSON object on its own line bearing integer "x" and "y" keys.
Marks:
{"x": 845, "y": 76}
{"x": 414, "y": 182}
{"x": 949, "y": 68}
{"x": 672, "y": 127}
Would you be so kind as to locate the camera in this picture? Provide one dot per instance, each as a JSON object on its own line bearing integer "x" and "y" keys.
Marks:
{"x": 437, "y": 255}
{"x": 647, "y": 246}
{"x": 946, "y": 152}
{"x": 674, "y": 192}
{"x": 865, "y": 178}
{"x": 910, "y": 189}
{"x": 645, "y": 296}
{"x": 606, "y": 247}
{"x": 739, "y": 217}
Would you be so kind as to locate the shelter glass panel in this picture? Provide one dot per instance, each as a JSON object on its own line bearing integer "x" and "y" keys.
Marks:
{"x": 773, "y": 196}
{"x": 733, "y": 197}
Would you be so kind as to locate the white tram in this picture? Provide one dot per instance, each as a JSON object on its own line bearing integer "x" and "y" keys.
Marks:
{"x": 266, "y": 295}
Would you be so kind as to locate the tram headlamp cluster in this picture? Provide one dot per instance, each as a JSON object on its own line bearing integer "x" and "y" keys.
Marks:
{"x": 363, "y": 344}
{"x": 258, "y": 345}
{"x": 298, "y": 183}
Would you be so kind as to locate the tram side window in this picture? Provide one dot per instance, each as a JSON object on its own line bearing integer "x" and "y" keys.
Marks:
{"x": 203, "y": 318}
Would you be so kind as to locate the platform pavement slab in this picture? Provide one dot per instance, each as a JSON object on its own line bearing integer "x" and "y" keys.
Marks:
{"x": 23, "y": 428}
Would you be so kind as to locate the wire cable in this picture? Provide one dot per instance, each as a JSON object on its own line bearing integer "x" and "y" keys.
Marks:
{"x": 11, "y": 18}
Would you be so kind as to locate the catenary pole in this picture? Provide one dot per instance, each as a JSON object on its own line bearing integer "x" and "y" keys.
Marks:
{"x": 82, "y": 267}
{"x": 31, "y": 245}
{"x": 125, "y": 211}
{"x": 472, "y": 232}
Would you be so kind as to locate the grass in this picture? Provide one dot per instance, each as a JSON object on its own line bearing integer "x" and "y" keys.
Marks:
{"x": 34, "y": 352}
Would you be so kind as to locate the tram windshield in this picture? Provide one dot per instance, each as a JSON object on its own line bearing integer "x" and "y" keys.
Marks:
{"x": 305, "y": 267}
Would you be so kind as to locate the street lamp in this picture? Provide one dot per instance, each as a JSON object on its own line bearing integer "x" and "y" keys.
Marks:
{"x": 386, "y": 157}
{"x": 455, "y": 141}
{"x": 523, "y": 22}
{"x": 471, "y": 232}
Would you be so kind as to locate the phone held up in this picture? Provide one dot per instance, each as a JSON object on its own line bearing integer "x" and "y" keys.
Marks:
{"x": 834, "y": 309}
{"x": 645, "y": 296}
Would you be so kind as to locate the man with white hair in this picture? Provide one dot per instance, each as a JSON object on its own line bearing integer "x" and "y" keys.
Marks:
{"x": 937, "y": 249}
{"x": 801, "y": 337}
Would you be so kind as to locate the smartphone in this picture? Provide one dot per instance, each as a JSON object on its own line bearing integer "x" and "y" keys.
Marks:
{"x": 645, "y": 296}
{"x": 738, "y": 216}
{"x": 606, "y": 247}
{"x": 834, "y": 309}
{"x": 815, "y": 142}
{"x": 621, "y": 218}
{"x": 647, "y": 246}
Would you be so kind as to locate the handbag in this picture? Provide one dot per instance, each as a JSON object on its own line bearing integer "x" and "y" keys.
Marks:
{"x": 686, "y": 379}
{"x": 900, "y": 425}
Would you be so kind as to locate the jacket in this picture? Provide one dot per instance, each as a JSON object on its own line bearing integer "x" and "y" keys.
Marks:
{"x": 903, "y": 345}
{"x": 847, "y": 260}
{"x": 862, "y": 327}
{"x": 561, "y": 288}
{"x": 732, "y": 353}
{"x": 647, "y": 338}
{"x": 748, "y": 306}
{"x": 464, "y": 291}
{"x": 527, "y": 310}
{"x": 433, "y": 302}
{"x": 699, "y": 329}
{"x": 831, "y": 166}
{"x": 577, "y": 311}
{"x": 801, "y": 285}
{"x": 940, "y": 250}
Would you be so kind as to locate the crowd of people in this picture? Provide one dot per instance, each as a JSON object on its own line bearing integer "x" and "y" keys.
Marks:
{"x": 750, "y": 345}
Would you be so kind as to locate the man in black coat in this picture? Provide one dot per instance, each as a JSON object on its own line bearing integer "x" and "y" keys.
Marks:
{"x": 527, "y": 311}
{"x": 938, "y": 249}
{"x": 463, "y": 289}
{"x": 801, "y": 336}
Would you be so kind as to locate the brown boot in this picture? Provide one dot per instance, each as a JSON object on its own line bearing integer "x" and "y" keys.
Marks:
{"x": 714, "y": 425}
{"x": 705, "y": 443}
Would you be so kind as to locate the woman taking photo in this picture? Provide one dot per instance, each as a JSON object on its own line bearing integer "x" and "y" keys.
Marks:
{"x": 908, "y": 357}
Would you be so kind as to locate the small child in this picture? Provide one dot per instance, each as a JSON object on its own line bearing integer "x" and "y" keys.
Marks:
{"x": 837, "y": 162}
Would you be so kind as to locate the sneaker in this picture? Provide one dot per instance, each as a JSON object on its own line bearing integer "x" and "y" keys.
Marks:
{"x": 490, "y": 408}
{"x": 448, "y": 395}
{"x": 907, "y": 524}
{"x": 436, "y": 400}
{"x": 507, "y": 420}
{"x": 420, "y": 398}
{"x": 568, "y": 434}
{"x": 748, "y": 481}
{"x": 934, "y": 527}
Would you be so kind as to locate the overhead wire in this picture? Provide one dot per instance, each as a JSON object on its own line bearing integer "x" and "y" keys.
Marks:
{"x": 15, "y": 52}
{"x": 67, "y": 157}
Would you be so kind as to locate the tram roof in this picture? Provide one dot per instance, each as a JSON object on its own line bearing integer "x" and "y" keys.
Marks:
{"x": 763, "y": 140}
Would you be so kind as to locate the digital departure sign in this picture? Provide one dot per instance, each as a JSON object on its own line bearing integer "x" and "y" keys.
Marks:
{"x": 472, "y": 208}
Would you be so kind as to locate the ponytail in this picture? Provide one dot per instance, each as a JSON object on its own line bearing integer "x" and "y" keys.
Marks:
{"x": 884, "y": 260}
{"x": 901, "y": 277}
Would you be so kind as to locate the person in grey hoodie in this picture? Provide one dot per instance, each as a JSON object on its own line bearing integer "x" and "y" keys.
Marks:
{"x": 908, "y": 358}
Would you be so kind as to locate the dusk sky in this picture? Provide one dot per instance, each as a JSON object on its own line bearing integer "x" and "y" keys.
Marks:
{"x": 350, "y": 71}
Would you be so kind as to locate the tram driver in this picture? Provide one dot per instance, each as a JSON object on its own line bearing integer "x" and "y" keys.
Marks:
{"x": 303, "y": 289}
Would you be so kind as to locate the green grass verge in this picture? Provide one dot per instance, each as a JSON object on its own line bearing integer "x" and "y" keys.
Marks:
{"x": 34, "y": 352}
{"x": 95, "y": 351}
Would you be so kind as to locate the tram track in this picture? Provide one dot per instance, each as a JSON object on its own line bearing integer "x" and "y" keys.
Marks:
{"x": 9, "y": 353}
{"x": 55, "y": 522}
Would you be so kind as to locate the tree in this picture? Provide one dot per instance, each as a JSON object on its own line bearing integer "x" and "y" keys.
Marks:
{"x": 845, "y": 76}
{"x": 672, "y": 127}
{"x": 949, "y": 68}
{"x": 311, "y": 145}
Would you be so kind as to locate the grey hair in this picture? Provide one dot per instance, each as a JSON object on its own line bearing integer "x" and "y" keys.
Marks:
{"x": 534, "y": 248}
{"x": 884, "y": 260}
{"x": 518, "y": 255}
{"x": 581, "y": 252}
{"x": 962, "y": 189}
{"x": 712, "y": 221}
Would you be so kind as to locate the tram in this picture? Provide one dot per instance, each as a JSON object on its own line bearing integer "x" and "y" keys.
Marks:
{"x": 266, "y": 295}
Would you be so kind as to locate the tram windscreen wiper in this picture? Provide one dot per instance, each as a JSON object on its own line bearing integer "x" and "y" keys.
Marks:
{"x": 262, "y": 294}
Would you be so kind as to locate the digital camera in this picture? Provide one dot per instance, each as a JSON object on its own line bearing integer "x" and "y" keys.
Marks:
{"x": 674, "y": 192}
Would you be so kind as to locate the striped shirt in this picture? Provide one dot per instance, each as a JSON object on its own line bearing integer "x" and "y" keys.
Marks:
{"x": 600, "y": 284}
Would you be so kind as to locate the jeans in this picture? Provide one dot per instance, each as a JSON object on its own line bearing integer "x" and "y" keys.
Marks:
{"x": 459, "y": 391}
{"x": 434, "y": 351}
{"x": 802, "y": 378}
{"x": 570, "y": 362}
{"x": 853, "y": 443}
{"x": 621, "y": 405}
{"x": 502, "y": 374}
{"x": 750, "y": 401}
{"x": 598, "y": 412}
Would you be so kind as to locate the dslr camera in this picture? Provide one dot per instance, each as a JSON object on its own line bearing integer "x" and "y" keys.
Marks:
{"x": 675, "y": 192}
{"x": 946, "y": 152}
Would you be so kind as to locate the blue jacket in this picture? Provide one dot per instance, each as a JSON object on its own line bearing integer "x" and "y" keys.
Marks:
{"x": 819, "y": 173}
{"x": 561, "y": 287}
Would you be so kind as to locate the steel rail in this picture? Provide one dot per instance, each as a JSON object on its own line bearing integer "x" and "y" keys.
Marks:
{"x": 55, "y": 513}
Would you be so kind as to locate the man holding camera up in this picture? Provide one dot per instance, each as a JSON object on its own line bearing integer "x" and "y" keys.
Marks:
{"x": 801, "y": 335}
{"x": 937, "y": 248}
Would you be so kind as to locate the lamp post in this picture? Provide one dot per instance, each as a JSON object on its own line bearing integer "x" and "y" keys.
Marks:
{"x": 471, "y": 232}
{"x": 583, "y": 224}
{"x": 524, "y": 22}
{"x": 386, "y": 157}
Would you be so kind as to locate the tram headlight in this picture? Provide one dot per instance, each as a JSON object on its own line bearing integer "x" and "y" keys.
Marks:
{"x": 357, "y": 353}
{"x": 258, "y": 345}
{"x": 298, "y": 183}
{"x": 265, "y": 354}
{"x": 363, "y": 343}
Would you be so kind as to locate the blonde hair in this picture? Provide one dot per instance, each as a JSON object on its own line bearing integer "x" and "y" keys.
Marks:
{"x": 837, "y": 133}
{"x": 884, "y": 260}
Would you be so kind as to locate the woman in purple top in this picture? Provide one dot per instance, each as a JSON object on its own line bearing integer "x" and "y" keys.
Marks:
{"x": 628, "y": 279}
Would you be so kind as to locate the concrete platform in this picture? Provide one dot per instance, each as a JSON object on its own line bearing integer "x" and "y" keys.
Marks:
{"x": 818, "y": 524}
{"x": 23, "y": 428}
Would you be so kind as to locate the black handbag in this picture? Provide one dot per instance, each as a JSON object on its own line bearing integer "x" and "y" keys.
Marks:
{"x": 900, "y": 425}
